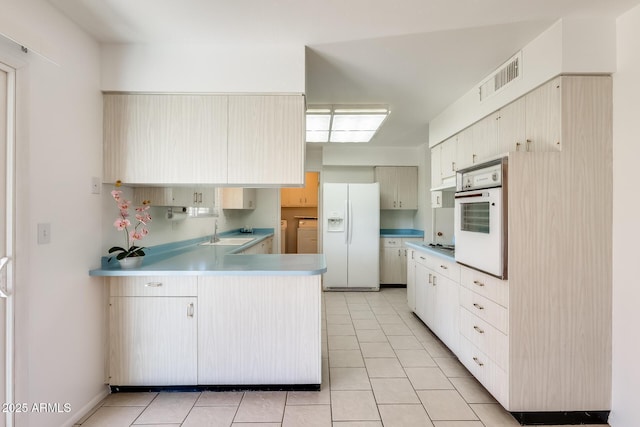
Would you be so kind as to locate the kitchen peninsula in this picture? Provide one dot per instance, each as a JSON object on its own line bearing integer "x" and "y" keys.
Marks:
{"x": 209, "y": 317}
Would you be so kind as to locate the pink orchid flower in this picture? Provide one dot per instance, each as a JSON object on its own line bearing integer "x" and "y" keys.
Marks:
{"x": 121, "y": 224}
{"x": 135, "y": 235}
{"x": 116, "y": 195}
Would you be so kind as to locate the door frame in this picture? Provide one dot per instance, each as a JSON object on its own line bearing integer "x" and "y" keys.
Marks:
{"x": 9, "y": 367}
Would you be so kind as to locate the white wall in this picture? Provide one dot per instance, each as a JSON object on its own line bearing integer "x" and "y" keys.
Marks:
{"x": 570, "y": 46}
{"x": 626, "y": 233}
{"x": 225, "y": 67}
{"x": 60, "y": 320}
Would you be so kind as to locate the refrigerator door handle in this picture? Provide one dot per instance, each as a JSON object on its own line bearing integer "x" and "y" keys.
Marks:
{"x": 347, "y": 225}
{"x": 350, "y": 222}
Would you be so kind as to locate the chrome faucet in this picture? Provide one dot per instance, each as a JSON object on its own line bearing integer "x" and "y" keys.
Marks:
{"x": 215, "y": 238}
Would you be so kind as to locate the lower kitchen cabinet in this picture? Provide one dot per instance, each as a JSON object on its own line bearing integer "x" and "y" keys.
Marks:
{"x": 393, "y": 259}
{"x": 411, "y": 279}
{"x": 263, "y": 247}
{"x": 153, "y": 331}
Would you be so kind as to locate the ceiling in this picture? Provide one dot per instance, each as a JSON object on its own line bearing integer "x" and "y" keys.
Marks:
{"x": 417, "y": 56}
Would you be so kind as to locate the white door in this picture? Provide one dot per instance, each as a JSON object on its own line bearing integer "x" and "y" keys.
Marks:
{"x": 363, "y": 227}
{"x": 6, "y": 240}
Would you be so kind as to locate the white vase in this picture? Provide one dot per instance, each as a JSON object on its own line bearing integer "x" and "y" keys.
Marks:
{"x": 130, "y": 262}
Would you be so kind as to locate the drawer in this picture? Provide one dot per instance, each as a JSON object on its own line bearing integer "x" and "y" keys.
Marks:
{"x": 485, "y": 337}
{"x": 391, "y": 242}
{"x": 494, "y": 379}
{"x": 422, "y": 259}
{"x": 154, "y": 286}
{"x": 488, "y": 286}
{"x": 492, "y": 313}
{"x": 444, "y": 267}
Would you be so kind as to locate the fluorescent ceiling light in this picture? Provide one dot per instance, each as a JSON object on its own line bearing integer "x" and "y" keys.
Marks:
{"x": 344, "y": 124}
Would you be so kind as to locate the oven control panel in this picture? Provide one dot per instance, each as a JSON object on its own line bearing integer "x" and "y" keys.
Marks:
{"x": 486, "y": 177}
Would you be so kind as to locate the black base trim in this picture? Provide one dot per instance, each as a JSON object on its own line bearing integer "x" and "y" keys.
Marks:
{"x": 393, "y": 285}
{"x": 551, "y": 418}
{"x": 242, "y": 387}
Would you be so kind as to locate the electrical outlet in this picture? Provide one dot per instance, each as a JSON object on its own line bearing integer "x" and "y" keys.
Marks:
{"x": 95, "y": 185}
{"x": 44, "y": 233}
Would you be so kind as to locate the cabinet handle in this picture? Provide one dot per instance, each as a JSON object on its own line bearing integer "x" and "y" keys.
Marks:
{"x": 434, "y": 279}
{"x": 394, "y": 204}
{"x": 190, "y": 310}
{"x": 475, "y": 359}
{"x": 399, "y": 252}
{"x": 430, "y": 277}
{"x": 444, "y": 267}
{"x": 423, "y": 258}
{"x": 478, "y": 306}
{"x": 474, "y": 158}
{"x": 199, "y": 197}
{"x": 453, "y": 166}
{"x": 528, "y": 145}
{"x": 195, "y": 197}
{"x": 477, "y": 283}
{"x": 518, "y": 146}
{"x": 153, "y": 284}
{"x": 478, "y": 330}
{"x": 437, "y": 200}
{"x": 400, "y": 203}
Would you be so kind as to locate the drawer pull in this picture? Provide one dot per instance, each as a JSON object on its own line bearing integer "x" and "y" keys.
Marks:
{"x": 190, "y": 310}
{"x": 444, "y": 267}
{"x": 153, "y": 284}
{"x": 430, "y": 278}
{"x": 434, "y": 279}
{"x": 423, "y": 258}
{"x": 475, "y": 359}
{"x": 478, "y": 330}
{"x": 475, "y": 282}
{"x": 478, "y": 306}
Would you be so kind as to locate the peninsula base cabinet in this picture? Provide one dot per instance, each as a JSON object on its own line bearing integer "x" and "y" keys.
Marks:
{"x": 153, "y": 323}
{"x": 214, "y": 330}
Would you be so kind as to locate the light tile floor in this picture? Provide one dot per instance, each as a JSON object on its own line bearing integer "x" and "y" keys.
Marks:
{"x": 381, "y": 367}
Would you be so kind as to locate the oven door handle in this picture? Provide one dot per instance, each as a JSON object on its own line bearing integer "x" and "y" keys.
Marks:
{"x": 467, "y": 196}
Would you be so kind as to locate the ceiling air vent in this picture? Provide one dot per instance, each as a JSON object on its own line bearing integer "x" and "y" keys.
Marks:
{"x": 499, "y": 79}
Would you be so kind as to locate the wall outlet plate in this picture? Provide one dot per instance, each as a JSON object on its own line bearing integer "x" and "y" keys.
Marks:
{"x": 96, "y": 185}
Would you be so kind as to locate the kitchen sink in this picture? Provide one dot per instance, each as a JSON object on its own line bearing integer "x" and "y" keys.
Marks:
{"x": 230, "y": 241}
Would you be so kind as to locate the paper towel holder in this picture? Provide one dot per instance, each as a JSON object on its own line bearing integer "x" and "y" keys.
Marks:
{"x": 176, "y": 210}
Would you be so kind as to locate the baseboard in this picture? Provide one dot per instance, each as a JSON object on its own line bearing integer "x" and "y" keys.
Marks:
{"x": 87, "y": 410}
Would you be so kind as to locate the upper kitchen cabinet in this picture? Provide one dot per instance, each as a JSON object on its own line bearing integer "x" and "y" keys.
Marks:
{"x": 485, "y": 138}
{"x": 266, "y": 140}
{"x": 543, "y": 117}
{"x": 511, "y": 126}
{"x": 238, "y": 198}
{"x": 165, "y": 139}
{"x": 306, "y": 197}
{"x": 398, "y": 186}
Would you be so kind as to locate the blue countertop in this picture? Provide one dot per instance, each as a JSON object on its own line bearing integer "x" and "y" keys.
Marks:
{"x": 400, "y": 232}
{"x": 448, "y": 255}
{"x": 190, "y": 258}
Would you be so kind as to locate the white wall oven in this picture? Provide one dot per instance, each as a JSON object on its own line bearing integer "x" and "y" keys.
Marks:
{"x": 480, "y": 218}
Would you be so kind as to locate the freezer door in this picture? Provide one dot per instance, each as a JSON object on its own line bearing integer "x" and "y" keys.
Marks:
{"x": 364, "y": 236}
{"x": 334, "y": 234}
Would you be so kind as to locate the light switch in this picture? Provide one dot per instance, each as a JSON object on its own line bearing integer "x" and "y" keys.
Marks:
{"x": 44, "y": 233}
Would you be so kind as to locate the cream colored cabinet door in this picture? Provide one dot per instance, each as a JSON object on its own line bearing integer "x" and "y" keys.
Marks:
{"x": 407, "y": 187}
{"x": 464, "y": 149}
{"x": 238, "y": 198}
{"x": 165, "y": 139}
{"x": 411, "y": 279}
{"x": 447, "y": 311}
{"x": 390, "y": 264}
{"x": 422, "y": 276}
{"x": 485, "y": 138}
{"x": 543, "y": 117}
{"x": 386, "y": 177}
{"x": 511, "y": 127}
{"x": 266, "y": 141}
{"x": 153, "y": 341}
{"x": 448, "y": 158}
{"x": 436, "y": 166}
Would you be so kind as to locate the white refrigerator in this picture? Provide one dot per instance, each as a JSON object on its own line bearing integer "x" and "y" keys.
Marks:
{"x": 351, "y": 235}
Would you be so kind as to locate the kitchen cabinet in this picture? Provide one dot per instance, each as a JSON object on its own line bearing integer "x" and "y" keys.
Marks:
{"x": 485, "y": 138}
{"x": 543, "y": 117}
{"x": 165, "y": 139}
{"x": 442, "y": 199}
{"x": 464, "y": 148}
{"x": 398, "y": 186}
{"x": 266, "y": 140}
{"x": 511, "y": 127}
{"x": 263, "y": 247}
{"x": 541, "y": 342}
{"x": 393, "y": 259}
{"x": 238, "y": 198}
{"x": 156, "y": 196}
{"x": 199, "y": 196}
{"x": 448, "y": 159}
{"x": 153, "y": 331}
{"x": 306, "y": 197}
{"x": 411, "y": 279}
{"x": 436, "y": 166}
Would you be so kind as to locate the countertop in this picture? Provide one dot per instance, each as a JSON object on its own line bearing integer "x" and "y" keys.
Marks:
{"x": 190, "y": 258}
{"x": 401, "y": 232}
{"x": 448, "y": 255}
